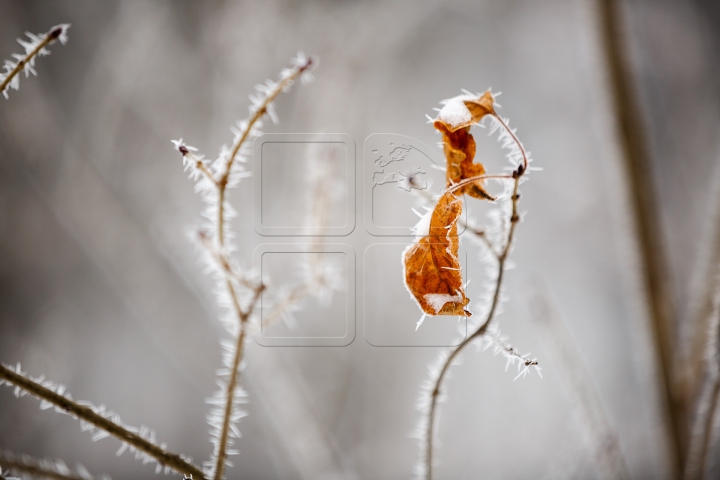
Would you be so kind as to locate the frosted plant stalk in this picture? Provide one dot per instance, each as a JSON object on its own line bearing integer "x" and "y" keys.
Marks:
{"x": 519, "y": 158}
{"x": 34, "y": 48}
{"x": 237, "y": 290}
{"x": 97, "y": 420}
{"x": 28, "y": 467}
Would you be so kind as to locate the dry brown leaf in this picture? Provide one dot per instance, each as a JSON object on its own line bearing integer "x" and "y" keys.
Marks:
{"x": 432, "y": 269}
{"x": 433, "y": 273}
{"x": 459, "y": 144}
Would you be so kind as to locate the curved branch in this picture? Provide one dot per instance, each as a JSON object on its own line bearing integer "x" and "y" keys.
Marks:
{"x": 501, "y": 259}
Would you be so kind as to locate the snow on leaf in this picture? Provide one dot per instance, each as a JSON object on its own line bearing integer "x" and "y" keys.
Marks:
{"x": 458, "y": 142}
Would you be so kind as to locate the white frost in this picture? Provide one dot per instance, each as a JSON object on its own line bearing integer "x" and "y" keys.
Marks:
{"x": 454, "y": 112}
{"x": 438, "y": 300}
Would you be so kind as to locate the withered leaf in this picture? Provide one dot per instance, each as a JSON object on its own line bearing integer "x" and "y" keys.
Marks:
{"x": 433, "y": 273}
{"x": 454, "y": 123}
{"x": 432, "y": 269}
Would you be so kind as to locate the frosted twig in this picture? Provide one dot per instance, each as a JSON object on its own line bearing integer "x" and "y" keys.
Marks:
{"x": 33, "y": 48}
{"x": 243, "y": 316}
{"x": 514, "y": 219}
{"x": 495, "y": 340}
{"x": 257, "y": 110}
{"x": 213, "y": 180}
{"x": 28, "y": 467}
{"x": 88, "y": 415}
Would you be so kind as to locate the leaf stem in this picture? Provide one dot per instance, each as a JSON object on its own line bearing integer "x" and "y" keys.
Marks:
{"x": 243, "y": 317}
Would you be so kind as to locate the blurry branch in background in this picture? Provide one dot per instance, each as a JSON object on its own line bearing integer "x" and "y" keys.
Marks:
{"x": 97, "y": 420}
{"x": 33, "y": 48}
{"x": 587, "y": 401}
{"x": 704, "y": 368}
{"x": 26, "y": 467}
{"x": 705, "y": 411}
{"x": 634, "y": 146}
{"x": 238, "y": 291}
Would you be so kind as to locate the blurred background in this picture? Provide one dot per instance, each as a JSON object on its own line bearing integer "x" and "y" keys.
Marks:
{"x": 101, "y": 290}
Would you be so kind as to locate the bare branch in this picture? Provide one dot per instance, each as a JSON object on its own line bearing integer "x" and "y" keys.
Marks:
{"x": 502, "y": 256}
{"x": 34, "y": 48}
{"x": 86, "y": 414}
{"x": 28, "y": 467}
{"x": 633, "y": 142}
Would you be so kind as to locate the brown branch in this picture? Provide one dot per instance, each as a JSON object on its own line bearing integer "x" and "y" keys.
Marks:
{"x": 257, "y": 115}
{"x": 633, "y": 142}
{"x": 501, "y": 259}
{"x": 49, "y": 38}
{"x": 243, "y": 317}
{"x": 86, "y": 414}
{"x": 709, "y": 395}
{"x": 35, "y": 468}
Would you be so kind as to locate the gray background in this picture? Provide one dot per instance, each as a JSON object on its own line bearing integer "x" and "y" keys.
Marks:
{"x": 101, "y": 290}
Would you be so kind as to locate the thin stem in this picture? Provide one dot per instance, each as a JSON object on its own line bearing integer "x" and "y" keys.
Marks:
{"x": 49, "y": 38}
{"x": 501, "y": 258}
{"x": 35, "y": 469}
{"x": 163, "y": 457}
{"x": 478, "y": 178}
{"x": 633, "y": 142}
{"x": 260, "y": 111}
{"x": 224, "y": 262}
{"x": 243, "y": 316}
{"x": 257, "y": 115}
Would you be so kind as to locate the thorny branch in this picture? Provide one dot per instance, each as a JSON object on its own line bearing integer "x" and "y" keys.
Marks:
{"x": 56, "y": 470}
{"x": 33, "y": 49}
{"x": 219, "y": 251}
{"x": 633, "y": 141}
{"x": 86, "y": 414}
{"x": 501, "y": 263}
{"x": 257, "y": 115}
